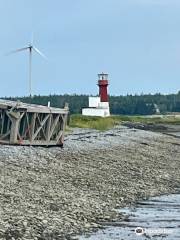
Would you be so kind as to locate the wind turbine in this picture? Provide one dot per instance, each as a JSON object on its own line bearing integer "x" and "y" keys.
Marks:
{"x": 30, "y": 48}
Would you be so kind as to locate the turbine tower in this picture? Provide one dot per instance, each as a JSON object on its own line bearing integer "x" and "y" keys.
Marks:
{"x": 30, "y": 48}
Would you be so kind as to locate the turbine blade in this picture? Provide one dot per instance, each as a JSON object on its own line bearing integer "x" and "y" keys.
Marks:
{"x": 17, "y": 50}
{"x": 39, "y": 52}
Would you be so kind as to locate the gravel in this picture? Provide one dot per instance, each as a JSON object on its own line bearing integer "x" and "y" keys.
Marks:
{"x": 54, "y": 193}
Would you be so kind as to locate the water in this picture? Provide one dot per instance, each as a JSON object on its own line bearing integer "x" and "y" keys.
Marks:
{"x": 173, "y": 130}
{"x": 158, "y": 218}
{"x": 176, "y": 134}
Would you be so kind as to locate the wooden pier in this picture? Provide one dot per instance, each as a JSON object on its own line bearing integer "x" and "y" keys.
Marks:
{"x": 30, "y": 124}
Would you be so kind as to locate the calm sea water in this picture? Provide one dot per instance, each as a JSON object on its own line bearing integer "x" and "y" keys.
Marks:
{"x": 158, "y": 218}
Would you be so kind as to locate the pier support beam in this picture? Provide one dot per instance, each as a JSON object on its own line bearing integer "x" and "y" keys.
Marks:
{"x": 32, "y": 124}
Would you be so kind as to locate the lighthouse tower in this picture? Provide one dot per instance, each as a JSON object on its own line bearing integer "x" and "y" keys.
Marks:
{"x": 103, "y": 84}
{"x": 99, "y": 106}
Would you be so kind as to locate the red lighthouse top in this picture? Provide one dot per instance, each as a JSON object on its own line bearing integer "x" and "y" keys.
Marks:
{"x": 103, "y": 84}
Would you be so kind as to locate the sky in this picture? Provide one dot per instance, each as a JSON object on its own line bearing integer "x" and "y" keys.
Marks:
{"x": 137, "y": 42}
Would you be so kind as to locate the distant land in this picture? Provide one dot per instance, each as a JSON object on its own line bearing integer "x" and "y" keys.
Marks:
{"x": 143, "y": 104}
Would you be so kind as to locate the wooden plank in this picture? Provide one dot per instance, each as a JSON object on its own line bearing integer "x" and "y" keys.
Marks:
{"x": 42, "y": 129}
{"x": 33, "y": 122}
{"x": 48, "y": 129}
{"x": 39, "y": 129}
{"x": 53, "y": 127}
{"x": 41, "y": 143}
{"x": 4, "y": 142}
{"x": 59, "y": 135}
{"x": 38, "y": 110}
{"x": 5, "y": 135}
{"x": 64, "y": 121}
{"x": 4, "y": 104}
{"x": 3, "y": 117}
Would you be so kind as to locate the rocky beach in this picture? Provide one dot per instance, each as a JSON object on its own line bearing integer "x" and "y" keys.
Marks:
{"x": 57, "y": 193}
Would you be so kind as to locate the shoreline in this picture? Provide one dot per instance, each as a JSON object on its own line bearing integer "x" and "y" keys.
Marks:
{"x": 63, "y": 192}
{"x": 157, "y": 215}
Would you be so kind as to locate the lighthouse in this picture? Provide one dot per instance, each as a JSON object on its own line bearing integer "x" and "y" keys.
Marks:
{"x": 103, "y": 85}
{"x": 99, "y": 106}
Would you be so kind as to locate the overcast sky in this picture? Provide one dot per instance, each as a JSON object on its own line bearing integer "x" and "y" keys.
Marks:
{"x": 136, "y": 41}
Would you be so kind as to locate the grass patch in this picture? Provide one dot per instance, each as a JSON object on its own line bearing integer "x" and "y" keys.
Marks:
{"x": 98, "y": 123}
{"x": 102, "y": 124}
{"x": 155, "y": 120}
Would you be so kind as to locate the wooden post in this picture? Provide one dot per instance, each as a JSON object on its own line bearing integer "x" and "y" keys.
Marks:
{"x": 14, "y": 130}
{"x": 15, "y": 118}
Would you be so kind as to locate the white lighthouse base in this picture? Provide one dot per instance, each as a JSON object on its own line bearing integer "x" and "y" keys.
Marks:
{"x": 99, "y": 112}
{"x": 97, "y": 108}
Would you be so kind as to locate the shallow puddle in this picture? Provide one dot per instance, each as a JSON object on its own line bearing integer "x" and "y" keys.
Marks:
{"x": 158, "y": 218}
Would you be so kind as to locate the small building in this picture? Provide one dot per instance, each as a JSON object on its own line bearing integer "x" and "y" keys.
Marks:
{"x": 99, "y": 106}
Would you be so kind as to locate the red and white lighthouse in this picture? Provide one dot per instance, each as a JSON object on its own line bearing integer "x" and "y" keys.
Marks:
{"x": 99, "y": 106}
{"x": 103, "y": 85}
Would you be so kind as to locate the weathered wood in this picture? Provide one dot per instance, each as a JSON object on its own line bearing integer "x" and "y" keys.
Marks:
{"x": 48, "y": 128}
{"x": 2, "y": 123}
{"x": 5, "y": 104}
{"x": 41, "y": 125}
{"x": 14, "y": 130}
{"x": 59, "y": 136}
{"x": 53, "y": 126}
{"x": 28, "y": 124}
{"x": 5, "y": 135}
{"x": 33, "y": 122}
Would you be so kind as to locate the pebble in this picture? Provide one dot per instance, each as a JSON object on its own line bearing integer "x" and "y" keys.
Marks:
{"x": 51, "y": 193}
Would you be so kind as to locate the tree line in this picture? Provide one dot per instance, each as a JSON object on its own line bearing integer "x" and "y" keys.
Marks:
{"x": 130, "y": 104}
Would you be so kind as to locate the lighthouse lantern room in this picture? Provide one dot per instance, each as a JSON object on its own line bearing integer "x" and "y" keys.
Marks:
{"x": 99, "y": 106}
